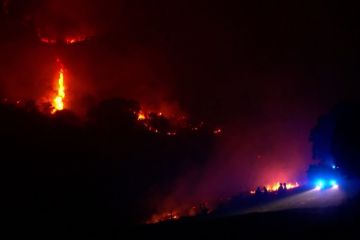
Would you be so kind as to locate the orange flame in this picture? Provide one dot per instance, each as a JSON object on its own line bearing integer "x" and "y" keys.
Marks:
{"x": 292, "y": 185}
{"x": 275, "y": 187}
{"x": 141, "y": 116}
{"x": 58, "y": 101}
{"x": 167, "y": 216}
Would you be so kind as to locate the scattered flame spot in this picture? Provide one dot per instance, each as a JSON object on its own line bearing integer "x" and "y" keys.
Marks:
{"x": 176, "y": 214}
{"x": 66, "y": 40}
{"x": 177, "y": 125}
{"x": 167, "y": 216}
{"x": 76, "y": 39}
{"x": 47, "y": 40}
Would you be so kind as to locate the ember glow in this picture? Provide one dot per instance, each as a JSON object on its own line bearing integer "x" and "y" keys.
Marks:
{"x": 150, "y": 120}
{"x": 75, "y": 39}
{"x": 168, "y": 216}
{"x": 58, "y": 101}
{"x": 176, "y": 214}
{"x": 66, "y": 40}
{"x": 47, "y": 40}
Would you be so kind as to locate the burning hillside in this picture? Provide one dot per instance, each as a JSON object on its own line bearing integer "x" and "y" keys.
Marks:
{"x": 276, "y": 187}
{"x": 172, "y": 104}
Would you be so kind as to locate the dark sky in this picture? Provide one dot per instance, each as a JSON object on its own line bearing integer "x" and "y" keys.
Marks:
{"x": 262, "y": 70}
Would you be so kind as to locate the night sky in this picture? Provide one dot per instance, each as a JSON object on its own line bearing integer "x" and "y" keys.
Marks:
{"x": 263, "y": 71}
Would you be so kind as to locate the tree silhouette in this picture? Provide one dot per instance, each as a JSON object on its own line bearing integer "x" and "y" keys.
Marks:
{"x": 336, "y": 138}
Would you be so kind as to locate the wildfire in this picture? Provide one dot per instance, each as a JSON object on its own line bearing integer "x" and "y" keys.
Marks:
{"x": 58, "y": 101}
{"x": 51, "y": 40}
{"x": 204, "y": 209}
{"x": 275, "y": 187}
{"x": 189, "y": 211}
{"x": 141, "y": 116}
{"x": 148, "y": 118}
{"x": 167, "y": 216}
{"x": 75, "y": 39}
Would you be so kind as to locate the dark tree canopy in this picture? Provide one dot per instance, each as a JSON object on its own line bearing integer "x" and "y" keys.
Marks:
{"x": 336, "y": 138}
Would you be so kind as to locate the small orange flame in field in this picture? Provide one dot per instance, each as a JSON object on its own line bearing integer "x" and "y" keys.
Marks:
{"x": 58, "y": 101}
{"x": 141, "y": 116}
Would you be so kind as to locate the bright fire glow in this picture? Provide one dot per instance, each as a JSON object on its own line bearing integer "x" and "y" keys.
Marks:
{"x": 275, "y": 187}
{"x": 58, "y": 101}
{"x": 141, "y": 116}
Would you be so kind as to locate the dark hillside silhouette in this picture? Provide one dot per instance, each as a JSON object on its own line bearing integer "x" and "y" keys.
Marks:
{"x": 107, "y": 164}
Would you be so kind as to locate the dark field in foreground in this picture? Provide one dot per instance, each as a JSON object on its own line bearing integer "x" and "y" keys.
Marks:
{"x": 331, "y": 221}
{"x": 327, "y": 222}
